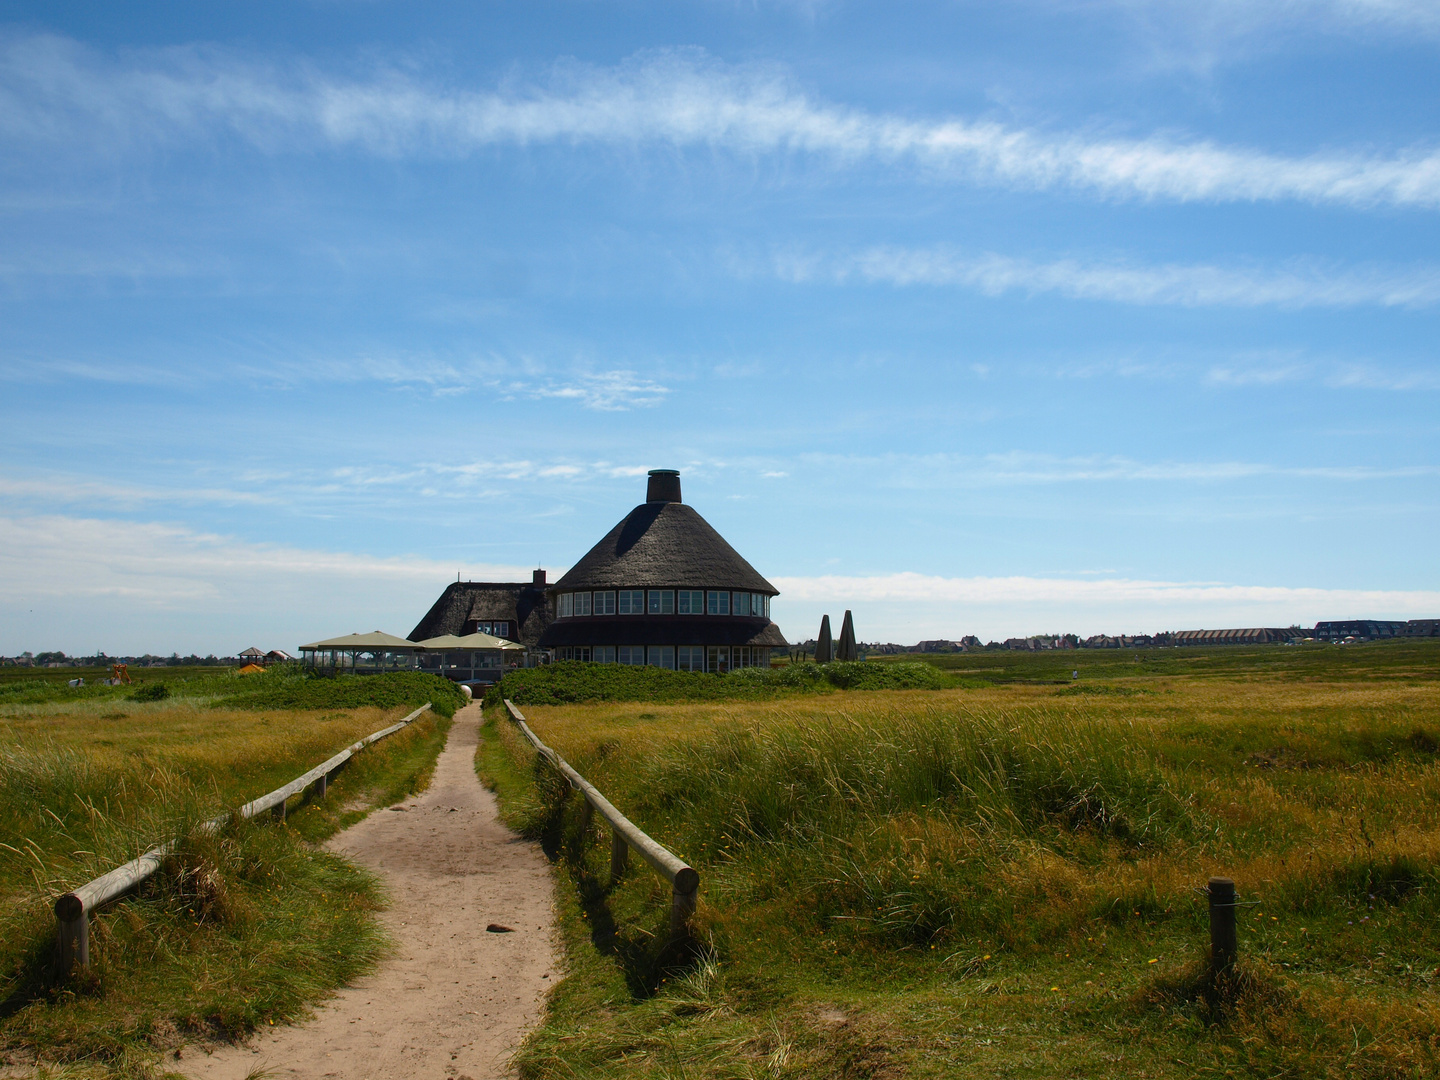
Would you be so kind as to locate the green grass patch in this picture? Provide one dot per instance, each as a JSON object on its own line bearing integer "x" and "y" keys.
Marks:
{"x": 237, "y": 931}
{"x": 1001, "y": 881}
{"x": 572, "y": 681}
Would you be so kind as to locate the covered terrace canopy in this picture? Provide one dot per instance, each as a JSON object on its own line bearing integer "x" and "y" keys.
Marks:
{"x": 375, "y": 651}
{"x": 471, "y": 658}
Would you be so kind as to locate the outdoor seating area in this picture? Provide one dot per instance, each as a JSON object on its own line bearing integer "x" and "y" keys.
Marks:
{"x": 473, "y": 658}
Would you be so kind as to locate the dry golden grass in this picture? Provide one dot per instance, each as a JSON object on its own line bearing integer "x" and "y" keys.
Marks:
{"x": 1001, "y": 880}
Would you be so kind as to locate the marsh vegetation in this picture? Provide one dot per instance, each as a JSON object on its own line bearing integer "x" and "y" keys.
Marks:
{"x": 241, "y": 929}
{"x": 1000, "y": 878}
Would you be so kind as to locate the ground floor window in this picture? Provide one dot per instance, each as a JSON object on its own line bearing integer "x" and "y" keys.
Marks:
{"x": 716, "y": 659}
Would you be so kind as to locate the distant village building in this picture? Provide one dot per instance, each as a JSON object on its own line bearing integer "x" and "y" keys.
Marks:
{"x": 1263, "y": 635}
{"x": 1423, "y": 628}
{"x": 1359, "y": 629}
{"x": 514, "y": 610}
{"x": 1120, "y": 641}
{"x": 663, "y": 588}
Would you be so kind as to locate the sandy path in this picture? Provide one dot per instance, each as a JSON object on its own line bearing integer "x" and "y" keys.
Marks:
{"x": 453, "y": 1001}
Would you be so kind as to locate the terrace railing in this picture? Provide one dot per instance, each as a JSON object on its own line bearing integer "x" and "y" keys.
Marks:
{"x": 684, "y": 879}
{"x": 72, "y": 911}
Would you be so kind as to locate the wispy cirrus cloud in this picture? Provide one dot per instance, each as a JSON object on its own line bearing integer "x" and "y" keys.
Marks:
{"x": 1299, "y": 284}
{"x": 607, "y": 391}
{"x": 1024, "y": 468}
{"x": 54, "y": 90}
{"x": 611, "y": 390}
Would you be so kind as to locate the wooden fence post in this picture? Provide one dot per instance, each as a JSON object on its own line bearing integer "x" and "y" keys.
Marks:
{"x": 682, "y": 906}
{"x": 278, "y": 811}
{"x": 1223, "y": 946}
{"x": 322, "y": 785}
{"x": 619, "y": 854}
{"x": 73, "y": 940}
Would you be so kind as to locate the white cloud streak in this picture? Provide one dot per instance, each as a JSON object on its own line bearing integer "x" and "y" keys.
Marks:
{"x": 908, "y": 607}
{"x": 907, "y": 587}
{"x": 54, "y": 90}
{"x": 83, "y": 583}
{"x": 151, "y": 586}
{"x": 1299, "y": 285}
{"x": 1021, "y": 468}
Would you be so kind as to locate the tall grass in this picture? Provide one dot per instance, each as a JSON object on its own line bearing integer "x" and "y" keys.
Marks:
{"x": 238, "y": 929}
{"x": 573, "y": 681}
{"x": 1032, "y": 840}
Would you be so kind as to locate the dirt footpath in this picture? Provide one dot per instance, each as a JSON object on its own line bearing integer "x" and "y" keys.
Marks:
{"x": 454, "y": 1000}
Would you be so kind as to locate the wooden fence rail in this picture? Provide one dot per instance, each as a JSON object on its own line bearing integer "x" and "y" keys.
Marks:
{"x": 625, "y": 834}
{"x": 72, "y": 911}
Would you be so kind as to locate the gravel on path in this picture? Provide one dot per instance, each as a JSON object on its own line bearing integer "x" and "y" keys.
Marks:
{"x": 453, "y": 1001}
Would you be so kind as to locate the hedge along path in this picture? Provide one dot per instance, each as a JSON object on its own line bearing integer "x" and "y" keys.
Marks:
{"x": 454, "y": 1000}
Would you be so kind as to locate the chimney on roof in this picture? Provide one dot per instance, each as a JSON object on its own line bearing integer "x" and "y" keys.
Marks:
{"x": 664, "y": 486}
{"x": 538, "y": 579}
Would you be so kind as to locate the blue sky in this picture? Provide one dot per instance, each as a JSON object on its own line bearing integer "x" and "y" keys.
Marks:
{"x": 1093, "y": 316}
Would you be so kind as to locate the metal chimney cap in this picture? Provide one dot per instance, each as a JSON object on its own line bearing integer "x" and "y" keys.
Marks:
{"x": 664, "y": 486}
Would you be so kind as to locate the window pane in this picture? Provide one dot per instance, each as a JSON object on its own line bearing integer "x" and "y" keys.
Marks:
{"x": 605, "y": 654}
{"x": 741, "y": 603}
{"x": 662, "y": 601}
{"x": 582, "y": 603}
{"x": 718, "y": 603}
{"x": 566, "y": 605}
{"x": 632, "y": 602}
{"x": 604, "y": 603}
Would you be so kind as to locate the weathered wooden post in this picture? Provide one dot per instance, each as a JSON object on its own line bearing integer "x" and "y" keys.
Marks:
{"x": 322, "y": 785}
{"x": 682, "y": 902}
{"x": 73, "y": 937}
{"x": 587, "y": 817}
{"x": 619, "y": 854}
{"x": 1223, "y": 946}
{"x": 278, "y": 811}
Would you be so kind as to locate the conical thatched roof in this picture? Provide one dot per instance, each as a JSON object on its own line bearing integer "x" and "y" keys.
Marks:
{"x": 663, "y": 544}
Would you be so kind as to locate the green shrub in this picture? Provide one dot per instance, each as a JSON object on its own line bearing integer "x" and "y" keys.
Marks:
{"x": 155, "y": 691}
{"x": 301, "y": 689}
{"x": 571, "y": 681}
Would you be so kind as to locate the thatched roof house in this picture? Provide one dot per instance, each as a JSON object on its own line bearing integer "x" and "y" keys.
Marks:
{"x": 663, "y": 588}
{"x": 514, "y": 610}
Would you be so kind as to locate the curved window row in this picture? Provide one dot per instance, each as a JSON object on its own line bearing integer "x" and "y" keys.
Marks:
{"x": 713, "y": 658}
{"x": 662, "y": 602}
